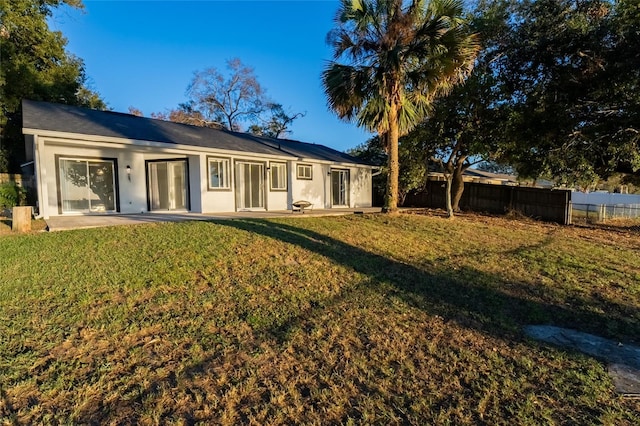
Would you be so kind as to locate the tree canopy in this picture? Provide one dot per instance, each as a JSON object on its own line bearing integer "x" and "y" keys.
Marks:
{"x": 569, "y": 72}
{"x": 463, "y": 127}
{"x": 223, "y": 102}
{"x": 277, "y": 122}
{"x": 35, "y": 65}
{"x": 391, "y": 60}
{"x": 185, "y": 113}
{"x": 230, "y": 98}
{"x": 555, "y": 93}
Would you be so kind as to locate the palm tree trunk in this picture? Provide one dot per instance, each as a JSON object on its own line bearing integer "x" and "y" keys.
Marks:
{"x": 391, "y": 202}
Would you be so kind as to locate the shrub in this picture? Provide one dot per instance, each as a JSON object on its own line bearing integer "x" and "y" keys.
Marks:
{"x": 11, "y": 195}
{"x": 4, "y": 161}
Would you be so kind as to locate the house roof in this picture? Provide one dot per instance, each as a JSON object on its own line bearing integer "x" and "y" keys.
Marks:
{"x": 84, "y": 121}
{"x": 490, "y": 175}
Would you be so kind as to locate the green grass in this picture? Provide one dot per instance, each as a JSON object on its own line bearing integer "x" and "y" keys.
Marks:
{"x": 361, "y": 319}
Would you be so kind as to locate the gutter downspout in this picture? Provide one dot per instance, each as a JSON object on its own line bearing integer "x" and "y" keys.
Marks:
{"x": 36, "y": 165}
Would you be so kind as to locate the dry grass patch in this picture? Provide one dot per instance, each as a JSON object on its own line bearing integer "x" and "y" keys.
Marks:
{"x": 5, "y": 226}
{"x": 356, "y": 320}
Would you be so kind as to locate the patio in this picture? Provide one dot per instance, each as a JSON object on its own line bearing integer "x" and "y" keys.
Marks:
{"x": 63, "y": 223}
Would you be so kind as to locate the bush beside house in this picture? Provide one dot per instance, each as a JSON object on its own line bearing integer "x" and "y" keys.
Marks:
{"x": 11, "y": 195}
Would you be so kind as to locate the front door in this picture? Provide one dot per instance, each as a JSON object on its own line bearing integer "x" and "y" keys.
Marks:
{"x": 249, "y": 186}
{"x": 167, "y": 185}
{"x": 340, "y": 188}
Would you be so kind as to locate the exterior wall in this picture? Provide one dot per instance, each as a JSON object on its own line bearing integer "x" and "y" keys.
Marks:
{"x": 131, "y": 189}
{"x": 217, "y": 200}
{"x": 132, "y": 192}
{"x": 223, "y": 200}
{"x": 195, "y": 172}
{"x": 316, "y": 190}
{"x": 361, "y": 192}
{"x": 278, "y": 199}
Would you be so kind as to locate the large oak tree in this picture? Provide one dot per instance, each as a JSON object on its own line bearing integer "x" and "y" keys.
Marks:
{"x": 35, "y": 65}
{"x": 570, "y": 74}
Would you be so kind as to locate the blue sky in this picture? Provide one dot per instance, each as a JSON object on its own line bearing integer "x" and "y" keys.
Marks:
{"x": 144, "y": 53}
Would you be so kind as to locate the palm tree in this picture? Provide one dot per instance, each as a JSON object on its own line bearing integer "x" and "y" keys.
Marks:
{"x": 398, "y": 57}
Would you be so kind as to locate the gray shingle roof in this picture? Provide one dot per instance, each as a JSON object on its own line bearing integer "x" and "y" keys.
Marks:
{"x": 70, "y": 119}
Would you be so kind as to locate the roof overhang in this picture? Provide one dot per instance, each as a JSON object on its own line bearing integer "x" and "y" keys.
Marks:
{"x": 109, "y": 141}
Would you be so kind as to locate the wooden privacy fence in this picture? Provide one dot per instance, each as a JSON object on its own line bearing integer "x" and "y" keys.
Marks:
{"x": 553, "y": 205}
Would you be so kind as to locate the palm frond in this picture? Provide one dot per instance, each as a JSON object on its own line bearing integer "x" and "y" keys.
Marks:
{"x": 346, "y": 88}
{"x": 398, "y": 52}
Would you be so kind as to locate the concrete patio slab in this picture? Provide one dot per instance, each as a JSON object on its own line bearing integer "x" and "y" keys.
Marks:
{"x": 63, "y": 223}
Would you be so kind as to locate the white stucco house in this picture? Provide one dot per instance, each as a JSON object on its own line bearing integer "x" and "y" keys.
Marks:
{"x": 102, "y": 162}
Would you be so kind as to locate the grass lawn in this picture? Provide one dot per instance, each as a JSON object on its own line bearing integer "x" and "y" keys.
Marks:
{"x": 352, "y": 320}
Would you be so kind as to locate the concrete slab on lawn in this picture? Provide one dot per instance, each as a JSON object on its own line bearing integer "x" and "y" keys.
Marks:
{"x": 623, "y": 360}
{"x": 63, "y": 223}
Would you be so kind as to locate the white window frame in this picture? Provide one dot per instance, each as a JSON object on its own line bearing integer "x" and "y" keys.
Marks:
{"x": 225, "y": 164}
{"x": 279, "y": 172}
{"x": 301, "y": 171}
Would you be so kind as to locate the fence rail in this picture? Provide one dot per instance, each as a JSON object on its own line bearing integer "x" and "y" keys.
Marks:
{"x": 604, "y": 212}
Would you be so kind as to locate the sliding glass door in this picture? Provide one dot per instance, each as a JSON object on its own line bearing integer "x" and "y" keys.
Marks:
{"x": 168, "y": 188}
{"x": 250, "y": 186}
{"x": 87, "y": 186}
{"x": 340, "y": 188}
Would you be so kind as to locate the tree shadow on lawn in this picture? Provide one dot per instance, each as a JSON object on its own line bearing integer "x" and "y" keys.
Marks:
{"x": 470, "y": 297}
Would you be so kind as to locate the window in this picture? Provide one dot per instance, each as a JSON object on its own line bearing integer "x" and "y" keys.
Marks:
{"x": 278, "y": 176}
{"x": 304, "y": 171}
{"x": 219, "y": 177}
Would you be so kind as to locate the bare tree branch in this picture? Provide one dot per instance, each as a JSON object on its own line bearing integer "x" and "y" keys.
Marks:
{"x": 230, "y": 99}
